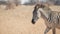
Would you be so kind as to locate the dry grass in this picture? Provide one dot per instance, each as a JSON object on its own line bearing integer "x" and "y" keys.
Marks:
{"x": 18, "y": 21}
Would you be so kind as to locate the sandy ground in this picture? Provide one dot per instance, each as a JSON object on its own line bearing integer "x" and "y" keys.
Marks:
{"x": 18, "y": 21}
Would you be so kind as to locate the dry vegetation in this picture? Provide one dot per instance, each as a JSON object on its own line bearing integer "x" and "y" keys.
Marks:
{"x": 18, "y": 21}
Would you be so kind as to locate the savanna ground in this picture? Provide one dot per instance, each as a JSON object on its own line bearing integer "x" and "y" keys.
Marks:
{"x": 18, "y": 21}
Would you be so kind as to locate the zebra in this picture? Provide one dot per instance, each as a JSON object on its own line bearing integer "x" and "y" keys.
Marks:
{"x": 51, "y": 18}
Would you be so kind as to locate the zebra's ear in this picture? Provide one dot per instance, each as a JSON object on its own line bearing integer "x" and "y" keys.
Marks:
{"x": 37, "y": 6}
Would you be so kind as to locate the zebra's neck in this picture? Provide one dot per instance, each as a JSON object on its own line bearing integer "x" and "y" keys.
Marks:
{"x": 44, "y": 13}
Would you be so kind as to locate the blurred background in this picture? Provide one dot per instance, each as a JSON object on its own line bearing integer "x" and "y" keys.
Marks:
{"x": 18, "y": 19}
{"x": 57, "y": 2}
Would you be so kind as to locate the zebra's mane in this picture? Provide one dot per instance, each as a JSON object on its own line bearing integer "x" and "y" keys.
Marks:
{"x": 45, "y": 11}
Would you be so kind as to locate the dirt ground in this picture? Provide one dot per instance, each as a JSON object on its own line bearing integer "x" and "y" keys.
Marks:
{"x": 18, "y": 21}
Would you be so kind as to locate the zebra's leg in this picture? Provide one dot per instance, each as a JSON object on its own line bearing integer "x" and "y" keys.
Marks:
{"x": 47, "y": 30}
{"x": 54, "y": 31}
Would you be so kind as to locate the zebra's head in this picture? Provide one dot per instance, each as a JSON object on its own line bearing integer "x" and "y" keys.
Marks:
{"x": 36, "y": 12}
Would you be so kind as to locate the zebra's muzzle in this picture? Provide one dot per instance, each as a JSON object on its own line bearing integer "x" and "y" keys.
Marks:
{"x": 33, "y": 22}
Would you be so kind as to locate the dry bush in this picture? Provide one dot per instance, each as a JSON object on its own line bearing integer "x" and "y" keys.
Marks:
{"x": 11, "y": 4}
